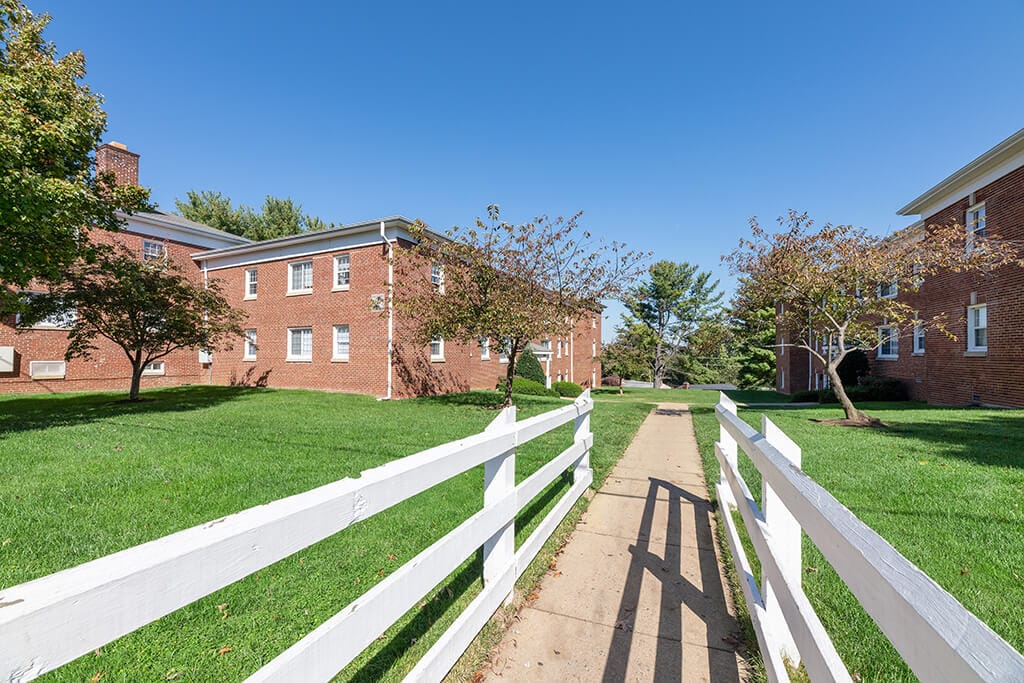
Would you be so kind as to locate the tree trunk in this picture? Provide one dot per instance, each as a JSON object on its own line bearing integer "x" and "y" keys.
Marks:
{"x": 853, "y": 414}
{"x": 659, "y": 369}
{"x": 133, "y": 393}
{"x": 510, "y": 373}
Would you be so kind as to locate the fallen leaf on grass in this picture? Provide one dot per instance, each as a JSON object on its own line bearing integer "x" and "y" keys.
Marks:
{"x": 172, "y": 674}
{"x": 965, "y": 571}
{"x": 922, "y": 462}
{"x": 97, "y": 676}
{"x": 477, "y": 677}
{"x": 223, "y": 609}
{"x": 811, "y": 570}
{"x": 451, "y": 594}
{"x": 380, "y": 572}
{"x": 224, "y": 650}
{"x": 392, "y": 557}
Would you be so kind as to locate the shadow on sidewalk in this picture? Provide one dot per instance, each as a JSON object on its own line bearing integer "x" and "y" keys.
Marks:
{"x": 676, "y": 591}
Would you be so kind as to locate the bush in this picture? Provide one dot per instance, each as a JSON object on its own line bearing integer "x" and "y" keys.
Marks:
{"x": 853, "y": 368}
{"x": 806, "y": 396}
{"x": 611, "y": 381}
{"x": 567, "y": 389}
{"x": 521, "y": 385}
{"x": 871, "y": 389}
{"x": 529, "y": 367}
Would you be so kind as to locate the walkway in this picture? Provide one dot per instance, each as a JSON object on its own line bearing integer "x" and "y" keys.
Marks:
{"x": 638, "y": 594}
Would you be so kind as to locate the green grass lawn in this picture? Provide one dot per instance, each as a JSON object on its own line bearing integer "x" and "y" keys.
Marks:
{"x": 84, "y": 475}
{"x": 693, "y": 396}
{"x": 943, "y": 485}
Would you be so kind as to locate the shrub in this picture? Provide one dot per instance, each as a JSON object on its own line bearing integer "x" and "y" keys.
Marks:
{"x": 853, "y": 368}
{"x": 529, "y": 367}
{"x": 567, "y": 389}
{"x": 871, "y": 389}
{"x": 521, "y": 385}
{"x": 806, "y": 396}
{"x": 611, "y": 381}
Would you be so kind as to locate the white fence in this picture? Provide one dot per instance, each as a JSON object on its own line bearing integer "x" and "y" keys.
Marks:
{"x": 50, "y": 621}
{"x": 936, "y": 635}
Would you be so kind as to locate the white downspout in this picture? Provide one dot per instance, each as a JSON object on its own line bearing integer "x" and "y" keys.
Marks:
{"x": 206, "y": 315}
{"x": 391, "y": 307}
{"x": 572, "y": 359}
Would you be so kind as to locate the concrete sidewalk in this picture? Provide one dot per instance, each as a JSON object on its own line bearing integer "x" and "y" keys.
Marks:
{"x": 638, "y": 593}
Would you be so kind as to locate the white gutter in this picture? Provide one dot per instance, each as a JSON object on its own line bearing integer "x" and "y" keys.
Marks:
{"x": 391, "y": 306}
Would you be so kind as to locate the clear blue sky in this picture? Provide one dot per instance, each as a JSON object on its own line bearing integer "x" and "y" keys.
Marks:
{"x": 668, "y": 124}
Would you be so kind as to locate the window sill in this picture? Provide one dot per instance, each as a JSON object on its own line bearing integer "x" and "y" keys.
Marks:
{"x": 299, "y": 292}
{"x": 503, "y": 361}
{"x": 437, "y": 359}
{"x": 340, "y": 288}
{"x": 485, "y": 358}
{"x": 887, "y": 357}
{"x": 46, "y": 377}
{"x": 249, "y": 359}
{"x": 979, "y": 353}
{"x": 918, "y": 353}
{"x": 153, "y": 374}
{"x": 249, "y": 297}
{"x": 298, "y": 360}
{"x": 339, "y": 360}
{"x": 44, "y": 328}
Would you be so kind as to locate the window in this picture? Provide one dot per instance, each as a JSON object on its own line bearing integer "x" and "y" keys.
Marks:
{"x": 153, "y": 251}
{"x": 887, "y": 290}
{"x": 60, "y": 320}
{"x": 250, "y": 283}
{"x": 503, "y": 351}
{"x": 782, "y": 345}
{"x": 250, "y": 345}
{"x": 782, "y": 378}
{"x": 977, "y": 328}
{"x": 888, "y": 342}
{"x": 485, "y": 348}
{"x": 47, "y": 369}
{"x": 341, "y": 342}
{"x": 154, "y": 368}
{"x": 342, "y": 271}
{"x": 301, "y": 280}
{"x": 917, "y": 277}
{"x": 559, "y": 349}
{"x": 918, "y": 338}
{"x": 593, "y": 322}
{"x": 593, "y": 349}
{"x": 437, "y": 276}
{"x": 975, "y": 221}
{"x": 437, "y": 348}
{"x": 300, "y": 343}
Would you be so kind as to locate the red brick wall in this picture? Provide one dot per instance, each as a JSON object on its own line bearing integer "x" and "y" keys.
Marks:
{"x": 414, "y": 373}
{"x": 107, "y": 368}
{"x": 947, "y": 373}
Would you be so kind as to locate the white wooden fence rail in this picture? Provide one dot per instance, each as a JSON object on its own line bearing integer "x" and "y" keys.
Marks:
{"x": 937, "y": 637}
{"x": 50, "y": 621}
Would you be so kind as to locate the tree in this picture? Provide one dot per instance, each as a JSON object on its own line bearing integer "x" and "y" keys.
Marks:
{"x": 835, "y": 289}
{"x": 50, "y": 124}
{"x": 276, "y": 218}
{"x": 628, "y": 356}
{"x": 709, "y": 356}
{"x": 509, "y": 283}
{"x": 754, "y": 331}
{"x": 529, "y": 367}
{"x": 672, "y": 303}
{"x": 148, "y": 308}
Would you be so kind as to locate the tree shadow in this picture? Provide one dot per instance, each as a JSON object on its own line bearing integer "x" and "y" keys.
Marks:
{"x": 485, "y": 398}
{"x": 36, "y": 412}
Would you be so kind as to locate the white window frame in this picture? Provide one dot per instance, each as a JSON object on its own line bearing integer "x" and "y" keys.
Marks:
{"x": 919, "y": 338}
{"x": 893, "y": 290}
{"x": 291, "y": 277}
{"x": 335, "y": 354}
{"x": 155, "y": 369}
{"x": 251, "y": 283}
{"x": 153, "y": 250}
{"x": 973, "y": 224}
{"x": 593, "y": 322}
{"x": 34, "y": 374}
{"x": 436, "y": 356}
{"x": 887, "y": 333}
{"x": 342, "y": 265}
{"x": 593, "y": 348}
{"x": 485, "y": 348}
{"x": 289, "y": 356}
{"x": 63, "y": 320}
{"x": 916, "y": 277}
{"x": 437, "y": 276}
{"x": 972, "y": 328}
{"x": 250, "y": 345}
{"x": 559, "y": 355}
{"x": 503, "y": 351}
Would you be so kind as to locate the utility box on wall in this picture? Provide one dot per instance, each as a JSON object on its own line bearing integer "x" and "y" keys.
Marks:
{"x": 6, "y": 359}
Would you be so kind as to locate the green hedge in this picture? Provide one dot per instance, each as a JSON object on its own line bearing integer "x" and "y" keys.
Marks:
{"x": 869, "y": 389}
{"x": 528, "y": 367}
{"x": 567, "y": 389}
{"x": 521, "y": 385}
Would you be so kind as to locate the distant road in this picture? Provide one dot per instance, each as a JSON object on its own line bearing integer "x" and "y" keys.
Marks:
{"x": 650, "y": 385}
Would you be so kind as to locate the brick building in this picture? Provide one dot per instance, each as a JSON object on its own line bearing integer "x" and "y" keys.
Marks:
{"x": 985, "y": 312}
{"x": 316, "y": 317}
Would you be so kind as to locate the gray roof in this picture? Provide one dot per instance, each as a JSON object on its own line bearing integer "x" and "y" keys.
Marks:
{"x": 174, "y": 219}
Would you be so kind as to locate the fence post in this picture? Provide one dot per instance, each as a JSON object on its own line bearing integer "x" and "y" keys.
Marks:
{"x": 500, "y": 481}
{"x": 786, "y": 537}
{"x": 729, "y": 450}
{"x": 581, "y": 430}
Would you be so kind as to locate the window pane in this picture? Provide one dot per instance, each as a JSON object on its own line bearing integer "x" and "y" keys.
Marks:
{"x": 341, "y": 341}
{"x": 341, "y": 264}
{"x": 980, "y": 337}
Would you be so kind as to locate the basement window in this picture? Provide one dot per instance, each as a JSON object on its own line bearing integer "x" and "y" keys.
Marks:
{"x": 154, "y": 369}
{"x": 47, "y": 369}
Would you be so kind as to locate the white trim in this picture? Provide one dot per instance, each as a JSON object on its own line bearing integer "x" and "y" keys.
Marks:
{"x": 58, "y": 369}
{"x": 291, "y": 277}
{"x": 155, "y": 369}
{"x": 971, "y": 329}
{"x": 894, "y": 290}
{"x": 247, "y": 340}
{"x": 335, "y": 356}
{"x": 246, "y": 294}
{"x": 289, "y": 357}
{"x": 485, "y": 348}
{"x": 919, "y": 333}
{"x": 1002, "y": 159}
{"x": 335, "y": 287}
{"x": 893, "y": 335}
{"x": 154, "y": 250}
{"x": 152, "y": 226}
{"x": 972, "y": 227}
{"x": 439, "y": 356}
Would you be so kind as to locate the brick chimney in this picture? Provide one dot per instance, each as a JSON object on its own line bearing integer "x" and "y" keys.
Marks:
{"x": 114, "y": 157}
